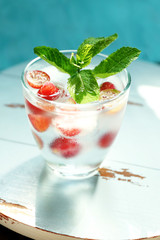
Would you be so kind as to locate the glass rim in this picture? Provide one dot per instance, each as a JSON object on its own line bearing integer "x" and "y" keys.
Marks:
{"x": 83, "y": 105}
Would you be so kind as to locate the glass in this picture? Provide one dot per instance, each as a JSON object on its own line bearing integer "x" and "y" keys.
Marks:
{"x": 75, "y": 138}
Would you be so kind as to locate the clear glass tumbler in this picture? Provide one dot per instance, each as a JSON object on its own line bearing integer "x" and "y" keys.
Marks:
{"x": 75, "y": 138}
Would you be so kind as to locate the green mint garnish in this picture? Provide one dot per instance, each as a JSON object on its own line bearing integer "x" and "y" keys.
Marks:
{"x": 55, "y": 58}
{"x": 91, "y": 47}
{"x": 83, "y": 87}
{"x": 82, "y": 83}
{"x": 116, "y": 62}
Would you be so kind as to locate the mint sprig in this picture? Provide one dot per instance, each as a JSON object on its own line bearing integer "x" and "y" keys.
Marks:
{"x": 83, "y": 87}
{"x": 82, "y": 83}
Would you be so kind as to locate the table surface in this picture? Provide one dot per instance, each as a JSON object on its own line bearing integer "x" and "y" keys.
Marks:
{"x": 121, "y": 202}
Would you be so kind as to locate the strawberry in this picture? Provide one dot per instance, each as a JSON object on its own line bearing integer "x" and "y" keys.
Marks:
{"x": 38, "y": 140}
{"x": 69, "y": 132}
{"x": 67, "y": 126}
{"x": 32, "y": 108}
{"x": 37, "y": 78}
{"x": 65, "y": 147}
{"x": 107, "y": 139}
{"x": 39, "y": 122}
{"x": 49, "y": 91}
{"x": 107, "y": 85}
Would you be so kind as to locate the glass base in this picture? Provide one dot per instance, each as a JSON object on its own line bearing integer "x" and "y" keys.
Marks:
{"x": 71, "y": 175}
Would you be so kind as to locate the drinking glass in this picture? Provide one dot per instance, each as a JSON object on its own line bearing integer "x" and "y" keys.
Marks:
{"x": 74, "y": 139}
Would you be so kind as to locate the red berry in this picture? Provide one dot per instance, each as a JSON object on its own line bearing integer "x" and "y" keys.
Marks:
{"x": 107, "y": 139}
{"x": 39, "y": 122}
{"x": 32, "y": 108}
{"x": 107, "y": 85}
{"x": 65, "y": 147}
{"x": 70, "y": 132}
{"x": 37, "y": 78}
{"x": 49, "y": 91}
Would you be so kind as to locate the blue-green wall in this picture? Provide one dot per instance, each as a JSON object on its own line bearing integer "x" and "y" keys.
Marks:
{"x": 66, "y": 23}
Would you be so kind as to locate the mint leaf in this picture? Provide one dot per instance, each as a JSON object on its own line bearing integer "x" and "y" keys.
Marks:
{"x": 55, "y": 58}
{"x": 116, "y": 62}
{"x": 83, "y": 87}
{"x": 91, "y": 47}
{"x": 73, "y": 60}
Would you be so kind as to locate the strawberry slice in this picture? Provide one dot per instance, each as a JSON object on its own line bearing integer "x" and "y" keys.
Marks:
{"x": 33, "y": 109}
{"x": 39, "y": 122}
{"x": 65, "y": 147}
{"x": 107, "y": 85}
{"x": 69, "y": 132}
{"x": 38, "y": 140}
{"x": 67, "y": 126}
{"x": 37, "y": 78}
{"x": 107, "y": 139}
{"x": 49, "y": 91}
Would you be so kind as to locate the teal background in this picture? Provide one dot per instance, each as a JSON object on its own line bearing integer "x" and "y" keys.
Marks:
{"x": 64, "y": 24}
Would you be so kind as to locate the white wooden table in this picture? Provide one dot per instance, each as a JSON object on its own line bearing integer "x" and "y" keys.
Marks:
{"x": 122, "y": 202}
